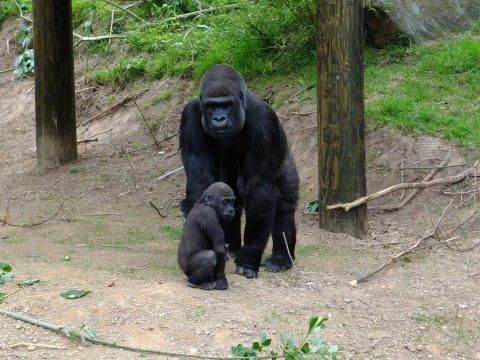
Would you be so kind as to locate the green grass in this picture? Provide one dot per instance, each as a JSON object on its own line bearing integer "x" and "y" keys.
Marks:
{"x": 430, "y": 89}
{"x": 173, "y": 232}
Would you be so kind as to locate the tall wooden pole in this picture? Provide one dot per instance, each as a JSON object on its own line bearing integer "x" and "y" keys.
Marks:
{"x": 54, "y": 82}
{"x": 341, "y": 122}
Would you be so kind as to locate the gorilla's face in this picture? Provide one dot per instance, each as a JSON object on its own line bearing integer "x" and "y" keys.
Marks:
{"x": 223, "y": 108}
{"x": 220, "y": 196}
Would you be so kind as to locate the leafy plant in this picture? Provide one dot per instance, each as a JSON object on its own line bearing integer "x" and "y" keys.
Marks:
{"x": 24, "y": 64}
{"x": 25, "y": 35}
{"x": 5, "y": 273}
{"x": 312, "y": 346}
{"x": 312, "y": 206}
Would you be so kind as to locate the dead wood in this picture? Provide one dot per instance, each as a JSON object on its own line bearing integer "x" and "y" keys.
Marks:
{"x": 415, "y": 191}
{"x": 472, "y": 171}
{"x": 33, "y": 223}
{"x": 114, "y": 106}
{"x": 85, "y": 140}
{"x": 416, "y": 247}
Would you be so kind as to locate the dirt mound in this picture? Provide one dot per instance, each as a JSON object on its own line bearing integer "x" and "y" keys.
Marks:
{"x": 425, "y": 306}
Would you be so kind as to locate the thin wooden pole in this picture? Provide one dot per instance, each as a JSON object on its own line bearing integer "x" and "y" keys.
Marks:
{"x": 341, "y": 123}
{"x": 54, "y": 82}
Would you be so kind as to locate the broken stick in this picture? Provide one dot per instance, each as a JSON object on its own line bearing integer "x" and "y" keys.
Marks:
{"x": 114, "y": 106}
{"x": 415, "y": 191}
{"x": 416, "y": 185}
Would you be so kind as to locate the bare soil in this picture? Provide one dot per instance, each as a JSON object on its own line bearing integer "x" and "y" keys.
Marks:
{"x": 425, "y": 306}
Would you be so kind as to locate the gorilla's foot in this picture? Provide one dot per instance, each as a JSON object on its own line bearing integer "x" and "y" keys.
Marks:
{"x": 209, "y": 285}
{"x": 276, "y": 264}
{"x": 221, "y": 284}
{"x": 247, "y": 272}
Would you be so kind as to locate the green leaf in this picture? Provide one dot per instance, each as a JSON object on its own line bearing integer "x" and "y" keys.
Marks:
{"x": 315, "y": 340}
{"x": 26, "y": 283}
{"x": 66, "y": 258}
{"x": 2, "y": 295}
{"x": 313, "y": 323}
{"x": 333, "y": 349}
{"x": 4, "y": 278}
{"x": 312, "y": 206}
{"x": 90, "y": 333}
{"x": 263, "y": 336}
{"x": 305, "y": 348}
{"x": 74, "y": 294}
{"x": 5, "y": 267}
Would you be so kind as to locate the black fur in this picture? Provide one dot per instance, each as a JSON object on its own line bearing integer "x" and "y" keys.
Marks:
{"x": 201, "y": 253}
{"x": 230, "y": 135}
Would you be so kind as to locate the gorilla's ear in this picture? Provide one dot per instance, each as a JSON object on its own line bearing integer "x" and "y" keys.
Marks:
{"x": 208, "y": 200}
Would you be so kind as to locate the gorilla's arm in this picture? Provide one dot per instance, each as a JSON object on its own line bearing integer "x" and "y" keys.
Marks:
{"x": 196, "y": 155}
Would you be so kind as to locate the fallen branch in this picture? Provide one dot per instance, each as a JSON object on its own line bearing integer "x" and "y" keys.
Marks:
{"x": 36, "y": 222}
{"x": 170, "y": 173}
{"x": 85, "y": 140}
{"x": 417, "y": 185}
{"x": 193, "y": 14}
{"x": 46, "y": 346}
{"x": 414, "y": 247}
{"x": 127, "y": 11}
{"x": 84, "y": 337}
{"x": 114, "y": 106}
{"x": 95, "y": 38}
{"x": 415, "y": 191}
{"x": 101, "y": 132}
{"x": 13, "y": 292}
{"x": 6, "y": 70}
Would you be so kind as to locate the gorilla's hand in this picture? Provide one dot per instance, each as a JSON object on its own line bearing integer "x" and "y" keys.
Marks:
{"x": 247, "y": 272}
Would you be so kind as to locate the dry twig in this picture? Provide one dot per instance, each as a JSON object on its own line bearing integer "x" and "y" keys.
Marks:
{"x": 36, "y": 222}
{"x": 414, "y": 192}
{"x": 115, "y": 106}
{"x": 38, "y": 345}
{"x": 417, "y": 185}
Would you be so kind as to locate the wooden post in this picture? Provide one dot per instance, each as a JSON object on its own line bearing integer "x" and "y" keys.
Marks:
{"x": 340, "y": 114}
{"x": 54, "y": 82}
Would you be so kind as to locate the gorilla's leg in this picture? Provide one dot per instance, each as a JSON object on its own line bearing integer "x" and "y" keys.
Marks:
{"x": 200, "y": 270}
{"x": 284, "y": 222}
{"x": 260, "y": 200}
{"x": 280, "y": 260}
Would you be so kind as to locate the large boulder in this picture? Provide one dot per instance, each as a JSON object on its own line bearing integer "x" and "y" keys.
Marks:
{"x": 400, "y": 21}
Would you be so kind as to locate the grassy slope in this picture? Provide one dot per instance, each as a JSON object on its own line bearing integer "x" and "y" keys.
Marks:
{"x": 432, "y": 88}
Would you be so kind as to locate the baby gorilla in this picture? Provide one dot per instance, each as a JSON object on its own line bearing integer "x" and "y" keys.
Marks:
{"x": 201, "y": 253}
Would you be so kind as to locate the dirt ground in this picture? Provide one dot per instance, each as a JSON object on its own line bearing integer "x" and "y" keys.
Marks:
{"x": 425, "y": 306}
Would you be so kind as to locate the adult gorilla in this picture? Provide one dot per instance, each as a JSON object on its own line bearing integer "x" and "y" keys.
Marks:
{"x": 230, "y": 135}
